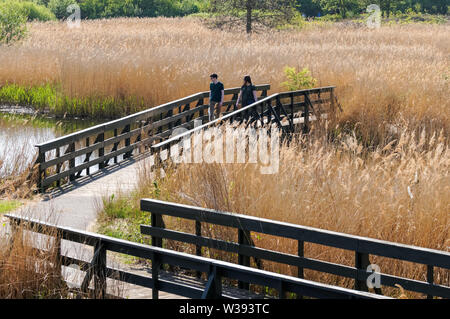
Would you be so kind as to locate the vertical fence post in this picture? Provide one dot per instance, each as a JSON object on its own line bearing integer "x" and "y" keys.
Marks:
{"x": 243, "y": 239}
{"x": 101, "y": 150}
{"x": 58, "y": 166}
{"x": 333, "y": 104}
{"x": 361, "y": 263}
{"x": 430, "y": 278}
{"x": 155, "y": 276}
{"x": 301, "y": 253}
{"x": 292, "y": 106}
{"x": 100, "y": 271}
{"x": 71, "y": 149}
{"x": 157, "y": 221}
{"x": 306, "y": 115}
{"x": 127, "y": 141}
{"x": 198, "y": 248}
{"x": 39, "y": 161}
{"x": 88, "y": 155}
{"x": 115, "y": 145}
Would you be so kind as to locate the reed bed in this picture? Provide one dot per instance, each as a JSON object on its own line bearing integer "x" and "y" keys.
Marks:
{"x": 26, "y": 273}
{"x": 399, "y": 193}
{"x": 137, "y": 63}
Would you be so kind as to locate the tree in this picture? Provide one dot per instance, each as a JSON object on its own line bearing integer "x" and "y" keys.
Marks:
{"x": 59, "y": 7}
{"x": 267, "y": 12}
{"x": 12, "y": 24}
{"x": 340, "y": 6}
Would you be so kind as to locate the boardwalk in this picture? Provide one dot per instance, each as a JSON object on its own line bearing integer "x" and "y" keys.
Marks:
{"x": 114, "y": 149}
{"x": 76, "y": 205}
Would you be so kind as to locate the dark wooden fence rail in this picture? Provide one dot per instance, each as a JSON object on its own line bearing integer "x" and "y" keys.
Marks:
{"x": 116, "y": 140}
{"x": 98, "y": 270}
{"x": 362, "y": 247}
{"x": 286, "y": 110}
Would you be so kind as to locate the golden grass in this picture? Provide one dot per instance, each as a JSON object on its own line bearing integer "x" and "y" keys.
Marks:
{"x": 26, "y": 273}
{"x": 399, "y": 193}
{"x": 378, "y": 73}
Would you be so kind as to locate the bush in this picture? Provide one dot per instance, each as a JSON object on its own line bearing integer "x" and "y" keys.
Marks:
{"x": 12, "y": 23}
{"x": 298, "y": 80}
{"x": 32, "y": 11}
{"x": 59, "y": 7}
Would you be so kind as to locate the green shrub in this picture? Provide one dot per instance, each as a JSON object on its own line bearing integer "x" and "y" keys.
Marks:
{"x": 298, "y": 80}
{"x": 59, "y": 7}
{"x": 12, "y": 23}
{"x": 31, "y": 10}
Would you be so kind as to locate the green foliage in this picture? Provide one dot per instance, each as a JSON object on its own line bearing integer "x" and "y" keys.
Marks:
{"x": 12, "y": 23}
{"x": 271, "y": 13}
{"x": 59, "y": 7}
{"x": 8, "y": 205}
{"x": 50, "y": 98}
{"x": 31, "y": 10}
{"x": 93, "y": 9}
{"x": 298, "y": 80}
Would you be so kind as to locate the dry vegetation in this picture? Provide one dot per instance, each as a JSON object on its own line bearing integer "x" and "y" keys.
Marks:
{"x": 378, "y": 73}
{"x": 26, "y": 273}
{"x": 385, "y": 175}
{"x": 398, "y": 193}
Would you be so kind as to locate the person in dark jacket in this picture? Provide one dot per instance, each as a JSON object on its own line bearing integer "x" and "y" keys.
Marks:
{"x": 247, "y": 93}
{"x": 216, "y": 94}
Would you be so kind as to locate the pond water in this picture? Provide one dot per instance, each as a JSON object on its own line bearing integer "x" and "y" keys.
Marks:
{"x": 20, "y": 131}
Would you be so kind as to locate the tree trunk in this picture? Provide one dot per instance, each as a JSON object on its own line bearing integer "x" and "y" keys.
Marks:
{"x": 249, "y": 17}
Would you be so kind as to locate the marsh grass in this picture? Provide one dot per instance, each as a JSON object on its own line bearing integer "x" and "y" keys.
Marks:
{"x": 26, "y": 273}
{"x": 398, "y": 192}
{"x": 117, "y": 66}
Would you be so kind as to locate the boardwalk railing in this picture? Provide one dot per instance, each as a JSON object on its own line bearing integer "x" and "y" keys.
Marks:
{"x": 66, "y": 158}
{"x": 286, "y": 110}
{"x": 215, "y": 270}
{"x": 362, "y": 247}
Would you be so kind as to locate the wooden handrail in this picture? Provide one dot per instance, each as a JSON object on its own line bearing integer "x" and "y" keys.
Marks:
{"x": 363, "y": 247}
{"x": 214, "y": 269}
{"x": 161, "y": 120}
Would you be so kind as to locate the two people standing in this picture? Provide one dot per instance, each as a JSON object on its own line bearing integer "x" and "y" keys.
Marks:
{"x": 216, "y": 95}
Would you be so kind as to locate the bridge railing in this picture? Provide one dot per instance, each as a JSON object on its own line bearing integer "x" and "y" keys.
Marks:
{"x": 97, "y": 269}
{"x": 66, "y": 158}
{"x": 286, "y": 110}
{"x": 362, "y": 247}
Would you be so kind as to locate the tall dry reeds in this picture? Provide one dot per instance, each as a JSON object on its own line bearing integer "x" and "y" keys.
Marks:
{"x": 398, "y": 192}
{"x": 26, "y": 272}
{"x": 379, "y": 74}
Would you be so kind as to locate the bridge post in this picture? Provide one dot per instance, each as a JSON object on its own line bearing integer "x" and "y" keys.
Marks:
{"x": 71, "y": 149}
{"x": 361, "y": 263}
{"x": 301, "y": 253}
{"x": 306, "y": 115}
{"x": 127, "y": 141}
{"x": 100, "y": 271}
{"x": 198, "y": 248}
{"x": 101, "y": 151}
{"x": 430, "y": 278}
{"x": 41, "y": 172}
{"x": 243, "y": 239}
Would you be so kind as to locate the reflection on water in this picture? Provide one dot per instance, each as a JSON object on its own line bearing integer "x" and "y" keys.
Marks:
{"x": 19, "y": 133}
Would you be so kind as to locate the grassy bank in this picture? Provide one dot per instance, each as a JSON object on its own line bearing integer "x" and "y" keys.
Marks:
{"x": 8, "y": 205}
{"x": 51, "y": 99}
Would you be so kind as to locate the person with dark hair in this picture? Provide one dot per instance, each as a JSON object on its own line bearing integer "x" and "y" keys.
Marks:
{"x": 216, "y": 94}
{"x": 247, "y": 93}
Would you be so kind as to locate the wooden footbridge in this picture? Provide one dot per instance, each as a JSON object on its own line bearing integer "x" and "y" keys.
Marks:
{"x": 65, "y": 160}
{"x": 70, "y": 157}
